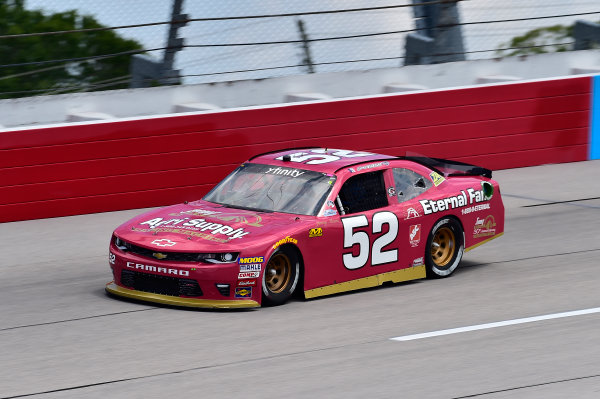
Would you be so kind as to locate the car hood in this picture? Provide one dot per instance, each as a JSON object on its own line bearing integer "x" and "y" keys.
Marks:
{"x": 201, "y": 225}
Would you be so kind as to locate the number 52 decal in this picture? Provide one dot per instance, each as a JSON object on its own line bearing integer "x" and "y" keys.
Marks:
{"x": 361, "y": 238}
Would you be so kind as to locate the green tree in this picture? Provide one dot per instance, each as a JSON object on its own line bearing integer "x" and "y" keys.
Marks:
{"x": 26, "y": 80}
{"x": 538, "y": 41}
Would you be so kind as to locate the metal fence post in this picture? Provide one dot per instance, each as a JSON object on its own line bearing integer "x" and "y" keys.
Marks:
{"x": 145, "y": 70}
{"x": 586, "y": 35}
{"x": 439, "y": 38}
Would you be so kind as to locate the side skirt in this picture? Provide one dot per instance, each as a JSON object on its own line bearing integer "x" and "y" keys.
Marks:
{"x": 483, "y": 242}
{"x": 397, "y": 276}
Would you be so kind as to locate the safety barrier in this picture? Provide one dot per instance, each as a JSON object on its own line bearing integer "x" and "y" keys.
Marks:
{"x": 105, "y": 166}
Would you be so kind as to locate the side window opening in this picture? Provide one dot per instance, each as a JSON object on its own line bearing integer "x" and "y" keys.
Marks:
{"x": 363, "y": 192}
{"x": 409, "y": 184}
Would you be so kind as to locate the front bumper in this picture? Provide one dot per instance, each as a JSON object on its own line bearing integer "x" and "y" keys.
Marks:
{"x": 114, "y": 289}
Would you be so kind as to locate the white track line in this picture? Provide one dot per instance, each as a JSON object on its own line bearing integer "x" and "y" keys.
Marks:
{"x": 496, "y": 324}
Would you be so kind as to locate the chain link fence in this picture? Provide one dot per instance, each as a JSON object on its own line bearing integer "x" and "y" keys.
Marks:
{"x": 222, "y": 44}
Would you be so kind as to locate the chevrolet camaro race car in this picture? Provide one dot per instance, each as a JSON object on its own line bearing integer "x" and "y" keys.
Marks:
{"x": 313, "y": 221}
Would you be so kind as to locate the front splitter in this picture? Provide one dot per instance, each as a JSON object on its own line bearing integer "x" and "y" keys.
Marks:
{"x": 114, "y": 289}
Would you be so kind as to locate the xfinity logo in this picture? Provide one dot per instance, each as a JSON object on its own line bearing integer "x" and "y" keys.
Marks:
{"x": 285, "y": 172}
{"x": 157, "y": 269}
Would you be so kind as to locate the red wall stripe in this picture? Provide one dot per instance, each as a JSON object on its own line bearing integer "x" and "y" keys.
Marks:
{"x": 96, "y": 167}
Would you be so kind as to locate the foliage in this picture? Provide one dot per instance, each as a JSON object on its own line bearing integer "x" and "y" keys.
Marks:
{"x": 538, "y": 41}
{"x": 57, "y": 77}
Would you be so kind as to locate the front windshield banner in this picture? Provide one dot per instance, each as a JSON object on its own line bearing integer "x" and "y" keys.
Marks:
{"x": 273, "y": 189}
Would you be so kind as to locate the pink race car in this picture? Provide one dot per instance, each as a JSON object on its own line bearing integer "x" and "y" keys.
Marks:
{"x": 311, "y": 221}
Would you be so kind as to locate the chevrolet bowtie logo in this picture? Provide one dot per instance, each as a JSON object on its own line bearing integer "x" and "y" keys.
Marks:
{"x": 163, "y": 243}
{"x": 158, "y": 255}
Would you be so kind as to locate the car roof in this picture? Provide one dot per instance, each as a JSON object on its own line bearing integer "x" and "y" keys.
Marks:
{"x": 326, "y": 160}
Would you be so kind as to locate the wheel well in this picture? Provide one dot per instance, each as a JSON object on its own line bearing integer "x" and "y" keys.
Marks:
{"x": 453, "y": 217}
{"x": 300, "y": 286}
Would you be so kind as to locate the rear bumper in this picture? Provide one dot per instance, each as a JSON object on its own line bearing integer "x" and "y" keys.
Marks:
{"x": 114, "y": 289}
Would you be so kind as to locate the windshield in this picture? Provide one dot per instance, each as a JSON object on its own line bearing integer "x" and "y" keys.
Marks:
{"x": 273, "y": 189}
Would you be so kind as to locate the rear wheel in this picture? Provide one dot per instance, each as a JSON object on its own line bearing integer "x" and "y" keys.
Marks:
{"x": 280, "y": 277}
{"x": 445, "y": 247}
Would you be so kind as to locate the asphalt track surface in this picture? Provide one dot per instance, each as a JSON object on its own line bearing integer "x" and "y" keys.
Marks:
{"x": 61, "y": 336}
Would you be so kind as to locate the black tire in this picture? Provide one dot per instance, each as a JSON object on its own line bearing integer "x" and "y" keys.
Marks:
{"x": 280, "y": 277}
{"x": 445, "y": 248}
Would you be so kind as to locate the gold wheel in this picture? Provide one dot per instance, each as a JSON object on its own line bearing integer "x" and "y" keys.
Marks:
{"x": 443, "y": 246}
{"x": 278, "y": 273}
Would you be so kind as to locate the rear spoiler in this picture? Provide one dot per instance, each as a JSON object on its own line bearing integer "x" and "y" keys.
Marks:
{"x": 447, "y": 167}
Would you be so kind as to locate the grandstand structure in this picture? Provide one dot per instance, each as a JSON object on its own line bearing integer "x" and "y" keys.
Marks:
{"x": 28, "y": 112}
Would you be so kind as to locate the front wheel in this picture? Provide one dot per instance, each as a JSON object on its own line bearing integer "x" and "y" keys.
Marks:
{"x": 445, "y": 247}
{"x": 280, "y": 277}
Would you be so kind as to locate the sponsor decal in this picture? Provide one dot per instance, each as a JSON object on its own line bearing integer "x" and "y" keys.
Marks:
{"x": 373, "y": 165}
{"x": 111, "y": 258}
{"x": 251, "y": 264}
{"x": 471, "y": 196}
{"x": 316, "y": 232}
{"x": 330, "y": 204}
{"x": 157, "y": 269}
{"x": 243, "y": 292}
{"x": 329, "y": 212}
{"x": 412, "y": 213}
{"x": 437, "y": 178}
{"x": 245, "y": 275}
{"x": 198, "y": 224}
{"x": 164, "y": 242}
{"x": 286, "y": 240}
{"x": 199, "y": 212}
{"x": 418, "y": 262}
{"x": 351, "y": 170}
{"x": 255, "y": 267}
{"x": 239, "y": 217}
{"x": 248, "y": 260}
{"x": 285, "y": 172}
{"x": 485, "y": 227}
{"x": 189, "y": 233}
{"x": 475, "y": 208}
{"x": 159, "y": 256}
{"x": 391, "y": 191}
{"x": 414, "y": 234}
{"x": 247, "y": 283}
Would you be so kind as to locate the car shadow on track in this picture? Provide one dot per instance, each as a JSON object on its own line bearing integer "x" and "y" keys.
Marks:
{"x": 104, "y": 294}
{"x": 466, "y": 266}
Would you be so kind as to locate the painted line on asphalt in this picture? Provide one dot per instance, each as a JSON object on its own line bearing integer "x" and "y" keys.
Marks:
{"x": 496, "y": 324}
